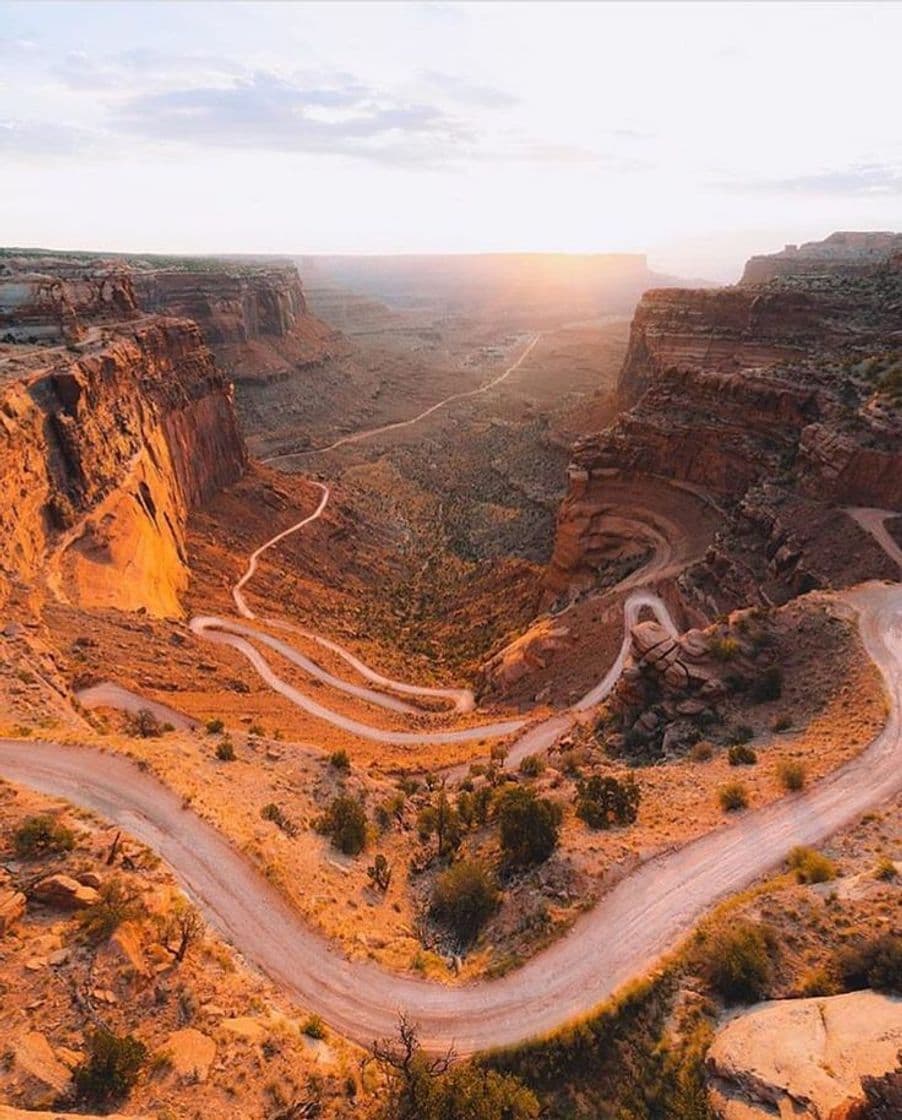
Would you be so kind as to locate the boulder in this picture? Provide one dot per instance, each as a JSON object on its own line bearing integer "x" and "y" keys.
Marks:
{"x": 191, "y": 1053}
{"x": 39, "y": 1074}
{"x": 12, "y": 909}
{"x": 65, "y": 893}
{"x": 803, "y": 1058}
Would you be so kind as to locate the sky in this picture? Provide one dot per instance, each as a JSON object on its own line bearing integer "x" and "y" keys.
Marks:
{"x": 697, "y": 133}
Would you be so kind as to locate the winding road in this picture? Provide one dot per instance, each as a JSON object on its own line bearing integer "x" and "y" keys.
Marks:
{"x": 357, "y": 437}
{"x": 642, "y": 917}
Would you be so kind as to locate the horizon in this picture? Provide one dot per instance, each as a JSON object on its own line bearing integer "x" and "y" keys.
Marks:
{"x": 427, "y": 129}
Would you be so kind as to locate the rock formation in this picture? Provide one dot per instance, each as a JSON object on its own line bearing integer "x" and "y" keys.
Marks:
{"x": 804, "y": 1058}
{"x": 840, "y": 254}
{"x": 779, "y": 400}
{"x": 104, "y": 450}
{"x": 254, "y": 318}
{"x": 45, "y": 299}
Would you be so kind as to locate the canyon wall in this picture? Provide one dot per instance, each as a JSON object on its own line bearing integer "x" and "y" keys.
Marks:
{"x": 42, "y": 300}
{"x": 780, "y": 402}
{"x": 255, "y": 319}
{"x": 840, "y": 254}
{"x": 103, "y": 455}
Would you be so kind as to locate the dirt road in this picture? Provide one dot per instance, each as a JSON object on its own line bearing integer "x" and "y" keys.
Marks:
{"x": 644, "y": 915}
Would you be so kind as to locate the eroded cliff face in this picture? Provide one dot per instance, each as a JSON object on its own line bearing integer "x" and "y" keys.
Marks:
{"x": 255, "y": 319}
{"x": 103, "y": 455}
{"x": 840, "y": 254}
{"x": 781, "y": 403}
{"x": 44, "y": 300}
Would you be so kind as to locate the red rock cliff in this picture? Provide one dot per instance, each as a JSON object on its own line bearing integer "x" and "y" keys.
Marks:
{"x": 792, "y": 387}
{"x": 103, "y": 455}
{"x": 254, "y": 318}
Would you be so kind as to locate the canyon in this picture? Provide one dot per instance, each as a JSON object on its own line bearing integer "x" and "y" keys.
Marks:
{"x": 534, "y": 534}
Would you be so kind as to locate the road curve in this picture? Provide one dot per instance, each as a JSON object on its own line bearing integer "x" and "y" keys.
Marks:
{"x": 643, "y": 916}
{"x": 357, "y": 437}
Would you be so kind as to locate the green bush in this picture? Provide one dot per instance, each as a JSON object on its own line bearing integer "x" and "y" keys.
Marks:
{"x": 344, "y": 822}
{"x": 340, "y": 760}
{"x": 115, "y": 905}
{"x": 215, "y": 726}
{"x": 736, "y": 960}
{"x": 314, "y": 1027}
{"x": 741, "y": 755}
{"x": 791, "y": 775}
{"x": 442, "y": 820}
{"x": 811, "y": 866}
{"x": 143, "y": 724}
{"x": 528, "y": 826}
{"x": 225, "y": 750}
{"x": 532, "y": 766}
{"x": 603, "y": 801}
{"x": 42, "y": 835}
{"x": 110, "y": 1068}
{"x": 272, "y": 812}
{"x": 875, "y": 963}
{"x": 733, "y": 796}
{"x": 464, "y": 898}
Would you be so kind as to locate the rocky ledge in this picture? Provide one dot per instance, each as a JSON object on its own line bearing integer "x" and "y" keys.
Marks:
{"x": 813, "y": 1059}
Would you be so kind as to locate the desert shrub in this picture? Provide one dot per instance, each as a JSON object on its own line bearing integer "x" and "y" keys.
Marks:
{"x": 736, "y": 960}
{"x": 875, "y": 963}
{"x": 390, "y": 811}
{"x": 379, "y": 873}
{"x": 528, "y": 826}
{"x": 733, "y": 796}
{"x": 885, "y": 869}
{"x": 225, "y": 750}
{"x": 314, "y": 1027}
{"x": 116, "y": 904}
{"x": 340, "y": 760}
{"x": 740, "y": 734}
{"x": 702, "y": 751}
{"x": 441, "y": 820}
{"x": 768, "y": 686}
{"x": 215, "y": 726}
{"x": 724, "y": 649}
{"x": 273, "y": 812}
{"x": 344, "y": 822}
{"x": 811, "y": 866}
{"x": 464, "y": 898}
{"x": 603, "y": 801}
{"x": 791, "y": 775}
{"x": 143, "y": 724}
{"x": 419, "y": 1086}
{"x": 110, "y": 1068}
{"x": 741, "y": 755}
{"x": 532, "y": 766}
{"x": 781, "y": 723}
{"x": 41, "y": 835}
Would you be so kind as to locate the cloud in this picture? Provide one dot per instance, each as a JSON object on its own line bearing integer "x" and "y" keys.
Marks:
{"x": 862, "y": 180}
{"x": 40, "y": 138}
{"x": 268, "y": 112}
{"x": 469, "y": 93}
{"x": 130, "y": 68}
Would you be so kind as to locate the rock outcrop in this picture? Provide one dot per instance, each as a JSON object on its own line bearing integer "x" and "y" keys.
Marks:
{"x": 62, "y": 302}
{"x": 781, "y": 401}
{"x": 805, "y": 1058}
{"x": 254, "y": 318}
{"x": 103, "y": 453}
{"x": 840, "y": 254}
